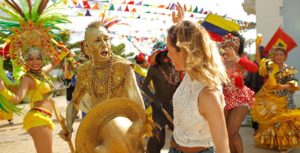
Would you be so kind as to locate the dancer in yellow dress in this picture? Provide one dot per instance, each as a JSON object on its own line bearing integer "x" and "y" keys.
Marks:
{"x": 31, "y": 44}
{"x": 279, "y": 120}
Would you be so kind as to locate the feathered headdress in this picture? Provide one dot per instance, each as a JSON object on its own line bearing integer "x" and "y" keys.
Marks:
{"x": 31, "y": 25}
{"x": 28, "y": 24}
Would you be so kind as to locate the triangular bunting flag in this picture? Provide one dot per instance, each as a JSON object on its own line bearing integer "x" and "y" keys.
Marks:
{"x": 130, "y": 2}
{"x": 88, "y": 13}
{"x": 79, "y": 14}
{"x": 126, "y": 9}
{"x": 173, "y": 6}
{"x": 96, "y": 6}
{"x": 146, "y": 5}
{"x": 112, "y": 8}
{"x": 184, "y": 7}
{"x": 124, "y": 2}
{"x": 201, "y": 11}
{"x": 75, "y": 2}
{"x": 191, "y": 9}
{"x": 105, "y": 6}
{"x": 86, "y": 4}
{"x": 196, "y": 10}
{"x": 168, "y": 7}
{"x": 119, "y": 9}
{"x": 139, "y": 3}
{"x": 65, "y": 2}
{"x": 133, "y": 10}
{"x": 78, "y": 6}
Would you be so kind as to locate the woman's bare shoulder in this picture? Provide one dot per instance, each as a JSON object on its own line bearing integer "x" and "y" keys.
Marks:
{"x": 210, "y": 98}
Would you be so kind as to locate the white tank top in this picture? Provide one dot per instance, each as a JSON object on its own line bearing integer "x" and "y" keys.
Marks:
{"x": 190, "y": 127}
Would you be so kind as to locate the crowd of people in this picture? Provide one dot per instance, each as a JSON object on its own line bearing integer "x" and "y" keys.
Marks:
{"x": 199, "y": 90}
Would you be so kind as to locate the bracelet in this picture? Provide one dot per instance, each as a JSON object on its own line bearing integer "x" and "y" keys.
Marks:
{"x": 7, "y": 94}
{"x": 61, "y": 56}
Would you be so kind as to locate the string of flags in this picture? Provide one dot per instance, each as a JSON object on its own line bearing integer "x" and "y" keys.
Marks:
{"x": 134, "y": 7}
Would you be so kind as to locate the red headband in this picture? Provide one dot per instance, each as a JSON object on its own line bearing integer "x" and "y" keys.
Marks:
{"x": 231, "y": 40}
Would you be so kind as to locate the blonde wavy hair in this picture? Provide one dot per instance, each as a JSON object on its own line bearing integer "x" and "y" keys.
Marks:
{"x": 203, "y": 62}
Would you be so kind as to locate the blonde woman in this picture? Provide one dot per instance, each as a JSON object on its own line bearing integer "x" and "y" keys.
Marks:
{"x": 199, "y": 123}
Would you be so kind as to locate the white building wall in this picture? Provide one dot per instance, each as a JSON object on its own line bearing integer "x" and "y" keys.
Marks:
{"x": 268, "y": 18}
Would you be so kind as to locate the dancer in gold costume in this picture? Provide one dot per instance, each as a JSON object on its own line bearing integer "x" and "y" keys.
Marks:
{"x": 279, "y": 121}
{"x": 103, "y": 77}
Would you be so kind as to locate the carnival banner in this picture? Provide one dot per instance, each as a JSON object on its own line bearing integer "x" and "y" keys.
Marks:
{"x": 280, "y": 39}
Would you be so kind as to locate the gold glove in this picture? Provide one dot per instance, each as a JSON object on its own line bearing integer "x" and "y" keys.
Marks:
{"x": 63, "y": 54}
{"x": 7, "y": 94}
{"x": 64, "y": 50}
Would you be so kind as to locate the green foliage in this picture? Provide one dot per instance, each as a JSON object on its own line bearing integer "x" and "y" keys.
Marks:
{"x": 64, "y": 36}
{"x": 7, "y": 65}
{"x": 2, "y": 41}
{"x": 75, "y": 45}
{"x": 120, "y": 50}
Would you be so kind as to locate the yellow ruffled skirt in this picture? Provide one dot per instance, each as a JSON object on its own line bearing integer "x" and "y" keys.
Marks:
{"x": 279, "y": 128}
{"x": 35, "y": 118}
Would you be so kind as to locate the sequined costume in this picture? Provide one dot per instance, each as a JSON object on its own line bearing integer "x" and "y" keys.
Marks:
{"x": 108, "y": 86}
{"x": 279, "y": 123}
{"x": 38, "y": 116}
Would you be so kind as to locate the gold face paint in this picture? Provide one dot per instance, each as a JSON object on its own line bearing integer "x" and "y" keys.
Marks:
{"x": 98, "y": 44}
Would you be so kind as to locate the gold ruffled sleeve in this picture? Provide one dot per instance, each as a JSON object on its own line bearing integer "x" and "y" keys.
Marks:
{"x": 263, "y": 71}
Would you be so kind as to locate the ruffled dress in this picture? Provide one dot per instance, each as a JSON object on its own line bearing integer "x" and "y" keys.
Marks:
{"x": 279, "y": 120}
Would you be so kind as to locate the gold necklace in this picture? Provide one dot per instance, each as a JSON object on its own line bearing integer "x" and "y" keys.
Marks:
{"x": 42, "y": 77}
{"x": 106, "y": 81}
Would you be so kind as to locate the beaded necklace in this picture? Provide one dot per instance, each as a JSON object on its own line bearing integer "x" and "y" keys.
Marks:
{"x": 42, "y": 77}
{"x": 171, "y": 78}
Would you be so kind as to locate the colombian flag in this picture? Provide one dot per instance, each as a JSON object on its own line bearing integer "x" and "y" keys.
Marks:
{"x": 217, "y": 26}
{"x": 280, "y": 39}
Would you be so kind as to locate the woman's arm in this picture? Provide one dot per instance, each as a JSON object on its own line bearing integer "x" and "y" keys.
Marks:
{"x": 248, "y": 65}
{"x": 177, "y": 18}
{"x": 257, "y": 51}
{"x": 244, "y": 62}
{"x": 211, "y": 103}
{"x": 257, "y": 54}
{"x": 26, "y": 82}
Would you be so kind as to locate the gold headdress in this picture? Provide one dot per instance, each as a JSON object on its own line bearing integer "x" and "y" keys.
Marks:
{"x": 31, "y": 25}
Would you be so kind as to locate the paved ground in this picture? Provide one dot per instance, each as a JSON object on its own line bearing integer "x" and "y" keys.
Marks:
{"x": 13, "y": 139}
